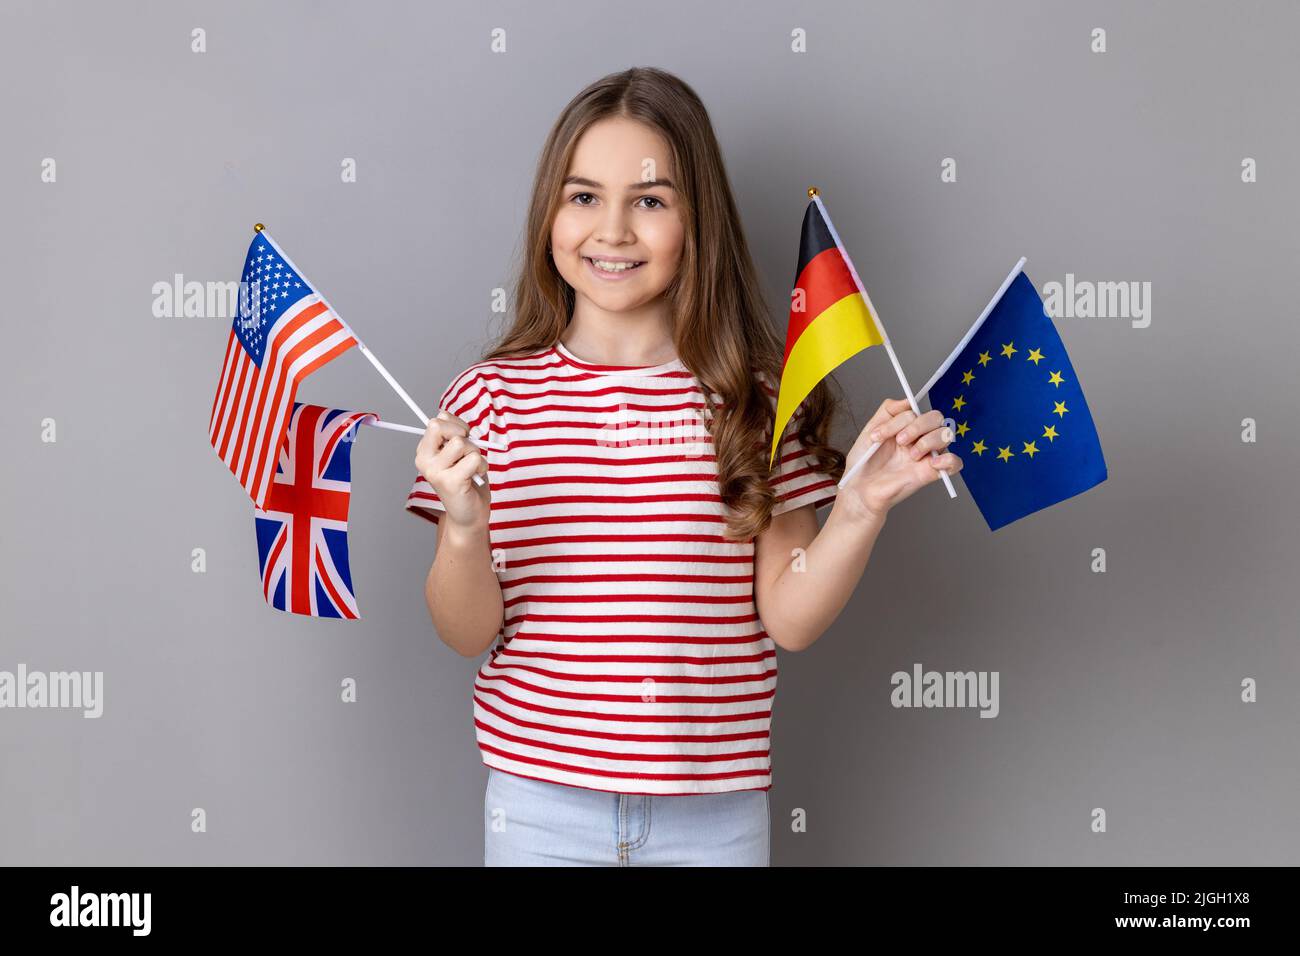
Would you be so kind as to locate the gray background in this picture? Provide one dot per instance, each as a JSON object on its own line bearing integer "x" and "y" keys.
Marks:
{"x": 1118, "y": 690}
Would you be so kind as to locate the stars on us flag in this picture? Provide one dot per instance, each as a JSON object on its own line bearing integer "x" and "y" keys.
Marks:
{"x": 270, "y": 286}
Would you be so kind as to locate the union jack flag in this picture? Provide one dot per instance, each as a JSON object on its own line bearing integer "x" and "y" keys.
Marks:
{"x": 302, "y": 532}
{"x": 283, "y": 331}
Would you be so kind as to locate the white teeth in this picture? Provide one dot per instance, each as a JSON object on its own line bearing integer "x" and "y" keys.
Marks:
{"x": 614, "y": 266}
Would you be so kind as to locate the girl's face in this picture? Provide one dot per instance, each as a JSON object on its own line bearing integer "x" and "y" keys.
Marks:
{"x": 617, "y": 236}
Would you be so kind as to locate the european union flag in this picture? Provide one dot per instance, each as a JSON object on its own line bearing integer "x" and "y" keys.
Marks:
{"x": 1023, "y": 430}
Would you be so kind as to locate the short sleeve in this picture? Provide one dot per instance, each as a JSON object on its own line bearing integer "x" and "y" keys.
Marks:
{"x": 795, "y": 478}
{"x": 468, "y": 398}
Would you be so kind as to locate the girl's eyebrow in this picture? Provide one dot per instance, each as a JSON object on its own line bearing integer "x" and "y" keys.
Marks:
{"x": 646, "y": 184}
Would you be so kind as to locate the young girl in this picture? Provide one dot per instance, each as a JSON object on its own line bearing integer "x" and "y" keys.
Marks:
{"x": 630, "y": 555}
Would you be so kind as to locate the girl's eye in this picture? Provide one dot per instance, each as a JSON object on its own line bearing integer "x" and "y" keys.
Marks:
{"x": 581, "y": 200}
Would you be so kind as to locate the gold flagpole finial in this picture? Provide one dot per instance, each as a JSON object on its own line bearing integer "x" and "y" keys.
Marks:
{"x": 258, "y": 227}
{"x": 813, "y": 192}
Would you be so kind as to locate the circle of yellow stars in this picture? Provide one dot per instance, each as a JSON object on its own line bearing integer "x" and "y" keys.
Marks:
{"x": 1049, "y": 431}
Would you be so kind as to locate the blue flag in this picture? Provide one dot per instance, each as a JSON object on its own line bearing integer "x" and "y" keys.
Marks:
{"x": 1023, "y": 430}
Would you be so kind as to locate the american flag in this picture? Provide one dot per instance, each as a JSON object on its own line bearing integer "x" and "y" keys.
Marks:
{"x": 302, "y": 531}
{"x": 283, "y": 331}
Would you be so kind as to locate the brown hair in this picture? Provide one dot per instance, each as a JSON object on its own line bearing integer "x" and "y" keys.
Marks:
{"x": 720, "y": 327}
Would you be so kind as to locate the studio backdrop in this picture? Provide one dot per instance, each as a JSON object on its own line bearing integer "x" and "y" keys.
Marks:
{"x": 1139, "y": 641}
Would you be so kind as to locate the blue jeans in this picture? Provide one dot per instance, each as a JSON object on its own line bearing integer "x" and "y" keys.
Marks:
{"x": 530, "y": 822}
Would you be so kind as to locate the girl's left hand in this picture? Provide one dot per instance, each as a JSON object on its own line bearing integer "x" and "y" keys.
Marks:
{"x": 902, "y": 464}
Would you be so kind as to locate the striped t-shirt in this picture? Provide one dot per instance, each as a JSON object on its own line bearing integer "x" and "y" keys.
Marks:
{"x": 631, "y": 658}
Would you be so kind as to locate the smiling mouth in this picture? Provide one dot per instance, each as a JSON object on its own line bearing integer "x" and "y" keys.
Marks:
{"x": 613, "y": 267}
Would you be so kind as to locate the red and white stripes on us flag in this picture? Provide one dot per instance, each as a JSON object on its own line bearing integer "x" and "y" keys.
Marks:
{"x": 282, "y": 332}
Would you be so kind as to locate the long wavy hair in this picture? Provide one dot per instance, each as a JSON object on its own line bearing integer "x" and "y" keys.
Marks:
{"x": 720, "y": 324}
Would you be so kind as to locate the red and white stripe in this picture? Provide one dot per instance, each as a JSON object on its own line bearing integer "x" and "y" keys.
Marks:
{"x": 251, "y": 409}
{"x": 632, "y": 659}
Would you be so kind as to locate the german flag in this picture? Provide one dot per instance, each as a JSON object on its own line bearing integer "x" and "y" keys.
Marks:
{"x": 830, "y": 320}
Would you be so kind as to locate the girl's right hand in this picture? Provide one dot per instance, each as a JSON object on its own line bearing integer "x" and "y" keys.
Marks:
{"x": 448, "y": 461}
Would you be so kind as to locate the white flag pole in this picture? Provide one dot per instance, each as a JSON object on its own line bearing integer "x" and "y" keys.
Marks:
{"x": 970, "y": 334}
{"x": 401, "y": 392}
{"x": 411, "y": 429}
{"x": 898, "y": 369}
{"x": 393, "y": 426}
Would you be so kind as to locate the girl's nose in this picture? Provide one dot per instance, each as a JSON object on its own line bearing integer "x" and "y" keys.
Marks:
{"x": 614, "y": 225}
